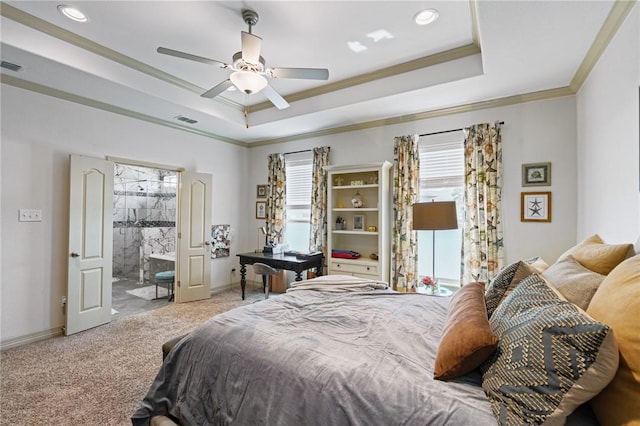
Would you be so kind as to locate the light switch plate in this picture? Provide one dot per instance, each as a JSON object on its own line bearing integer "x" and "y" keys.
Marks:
{"x": 29, "y": 215}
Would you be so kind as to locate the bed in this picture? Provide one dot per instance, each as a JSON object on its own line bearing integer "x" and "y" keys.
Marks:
{"x": 356, "y": 353}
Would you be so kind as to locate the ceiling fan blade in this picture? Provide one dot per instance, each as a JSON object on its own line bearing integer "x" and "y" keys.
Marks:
{"x": 189, "y": 56}
{"x": 216, "y": 90}
{"x": 307, "y": 73}
{"x": 251, "y": 45}
{"x": 275, "y": 97}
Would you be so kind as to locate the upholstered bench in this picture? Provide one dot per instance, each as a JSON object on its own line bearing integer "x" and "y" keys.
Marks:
{"x": 168, "y": 345}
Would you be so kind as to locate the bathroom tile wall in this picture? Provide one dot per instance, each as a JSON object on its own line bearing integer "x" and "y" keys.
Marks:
{"x": 144, "y": 212}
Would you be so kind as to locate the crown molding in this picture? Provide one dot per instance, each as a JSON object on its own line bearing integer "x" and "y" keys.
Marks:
{"x": 619, "y": 12}
{"x": 38, "y": 24}
{"x": 476, "y": 106}
{"x": 60, "y": 94}
{"x": 424, "y": 62}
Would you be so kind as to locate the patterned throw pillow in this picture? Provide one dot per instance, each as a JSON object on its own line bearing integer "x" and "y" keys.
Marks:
{"x": 503, "y": 283}
{"x": 551, "y": 356}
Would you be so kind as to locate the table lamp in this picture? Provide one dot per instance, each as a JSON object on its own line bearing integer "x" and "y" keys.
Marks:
{"x": 435, "y": 216}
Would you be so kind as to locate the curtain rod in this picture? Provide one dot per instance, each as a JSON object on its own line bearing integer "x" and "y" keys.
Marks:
{"x": 449, "y": 131}
{"x": 299, "y": 152}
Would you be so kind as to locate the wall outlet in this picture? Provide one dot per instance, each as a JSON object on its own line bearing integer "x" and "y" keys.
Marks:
{"x": 29, "y": 215}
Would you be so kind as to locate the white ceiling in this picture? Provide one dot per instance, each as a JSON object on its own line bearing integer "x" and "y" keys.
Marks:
{"x": 476, "y": 51}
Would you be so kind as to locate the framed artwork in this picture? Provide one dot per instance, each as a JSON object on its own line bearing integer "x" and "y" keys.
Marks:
{"x": 535, "y": 207}
{"x": 261, "y": 209}
{"x": 220, "y": 240}
{"x": 358, "y": 222}
{"x": 261, "y": 191}
{"x": 536, "y": 174}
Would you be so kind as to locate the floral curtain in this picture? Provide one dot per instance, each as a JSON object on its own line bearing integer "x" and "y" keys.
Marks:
{"x": 482, "y": 245}
{"x": 318, "y": 238}
{"x": 276, "y": 198}
{"x": 406, "y": 186}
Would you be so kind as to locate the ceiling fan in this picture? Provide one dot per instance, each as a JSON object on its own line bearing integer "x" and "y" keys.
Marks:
{"x": 249, "y": 71}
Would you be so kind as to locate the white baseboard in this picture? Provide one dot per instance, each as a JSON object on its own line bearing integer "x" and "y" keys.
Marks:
{"x": 14, "y": 342}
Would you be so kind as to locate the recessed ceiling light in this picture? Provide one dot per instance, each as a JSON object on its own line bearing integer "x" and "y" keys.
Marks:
{"x": 72, "y": 13}
{"x": 425, "y": 17}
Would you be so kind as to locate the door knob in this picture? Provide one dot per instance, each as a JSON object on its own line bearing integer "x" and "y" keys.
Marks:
{"x": 74, "y": 254}
{"x": 206, "y": 243}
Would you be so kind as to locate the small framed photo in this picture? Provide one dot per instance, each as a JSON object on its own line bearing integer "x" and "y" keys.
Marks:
{"x": 358, "y": 222}
{"x": 536, "y": 174}
{"x": 261, "y": 209}
{"x": 535, "y": 207}
{"x": 261, "y": 191}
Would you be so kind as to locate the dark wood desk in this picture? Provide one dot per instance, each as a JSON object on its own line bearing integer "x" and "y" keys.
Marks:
{"x": 279, "y": 261}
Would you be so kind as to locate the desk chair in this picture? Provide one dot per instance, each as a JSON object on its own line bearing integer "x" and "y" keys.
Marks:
{"x": 265, "y": 271}
{"x": 166, "y": 279}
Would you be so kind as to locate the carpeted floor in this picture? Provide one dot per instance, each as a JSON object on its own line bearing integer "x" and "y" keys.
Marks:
{"x": 98, "y": 377}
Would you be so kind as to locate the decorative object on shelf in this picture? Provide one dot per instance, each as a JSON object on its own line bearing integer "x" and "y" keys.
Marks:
{"x": 430, "y": 283}
{"x": 340, "y": 223}
{"x": 357, "y": 182}
{"x": 261, "y": 209}
{"x": 345, "y": 254}
{"x": 358, "y": 222}
{"x": 373, "y": 256}
{"x": 435, "y": 216}
{"x": 535, "y": 207}
{"x": 261, "y": 191}
{"x": 356, "y": 201}
{"x": 536, "y": 174}
{"x": 372, "y": 228}
{"x": 339, "y": 181}
{"x": 374, "y": 179}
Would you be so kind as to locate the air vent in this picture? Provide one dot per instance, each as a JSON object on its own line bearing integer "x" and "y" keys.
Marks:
{"x": 186, "y": 119}
{"x": 10, "y": 66}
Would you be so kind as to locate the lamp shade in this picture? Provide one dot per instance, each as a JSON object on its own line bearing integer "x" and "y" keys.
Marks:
{"x": 435, "y": 215}
{"x": 248, "y": 82}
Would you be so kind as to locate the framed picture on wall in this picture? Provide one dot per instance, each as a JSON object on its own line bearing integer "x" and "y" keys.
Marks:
{"x": 261, "y": 191}
{"x": 261, "y": 209}
{"x": 535, "y": 207}
{"x": 536, "y": 174}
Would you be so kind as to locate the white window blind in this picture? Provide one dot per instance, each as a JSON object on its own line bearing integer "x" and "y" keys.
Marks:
{"x": 441, "y": 165}
{"x": 299, "y": 176}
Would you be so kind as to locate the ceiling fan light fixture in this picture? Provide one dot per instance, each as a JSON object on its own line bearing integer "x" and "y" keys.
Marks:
{"x": 248, "y": 82}
{"x": 426, "y": 16}
{"x": 72, "y": 13}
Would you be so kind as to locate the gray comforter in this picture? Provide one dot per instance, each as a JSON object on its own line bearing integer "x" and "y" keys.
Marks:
{"x": 316, "y": 358}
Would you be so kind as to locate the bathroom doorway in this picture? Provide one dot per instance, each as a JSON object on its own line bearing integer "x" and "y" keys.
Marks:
{"x": 144, "y": 237}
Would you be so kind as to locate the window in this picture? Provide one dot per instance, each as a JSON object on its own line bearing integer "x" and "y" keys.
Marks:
{"x": 299, "y": 177}
{"x": 442, "y": 179}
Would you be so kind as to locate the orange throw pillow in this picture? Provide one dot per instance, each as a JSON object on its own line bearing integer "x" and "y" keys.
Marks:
{"x": 467, "y": 339}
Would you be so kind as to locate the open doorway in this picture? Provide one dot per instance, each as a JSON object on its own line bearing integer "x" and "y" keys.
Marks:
{"x": 144, "y": 238}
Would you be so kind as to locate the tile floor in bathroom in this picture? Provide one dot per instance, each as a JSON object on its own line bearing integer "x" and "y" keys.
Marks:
{"x": 126, "y": 304}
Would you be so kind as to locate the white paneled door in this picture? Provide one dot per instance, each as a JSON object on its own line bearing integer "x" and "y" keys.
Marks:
{"x": 90, "y": 243}
{"x": 194, "y": 235}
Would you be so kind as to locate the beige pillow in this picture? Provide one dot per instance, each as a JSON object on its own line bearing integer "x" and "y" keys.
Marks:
{"x": 617, "y": 304}
{"x": 467, "y": 339}
{"x": 597, "y": 256}
{"x": 575, "y": 282}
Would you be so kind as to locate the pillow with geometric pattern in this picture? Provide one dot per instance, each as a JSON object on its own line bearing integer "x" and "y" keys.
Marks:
{"x": 551, "y": 356}
{"x": 503, "y": 283}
